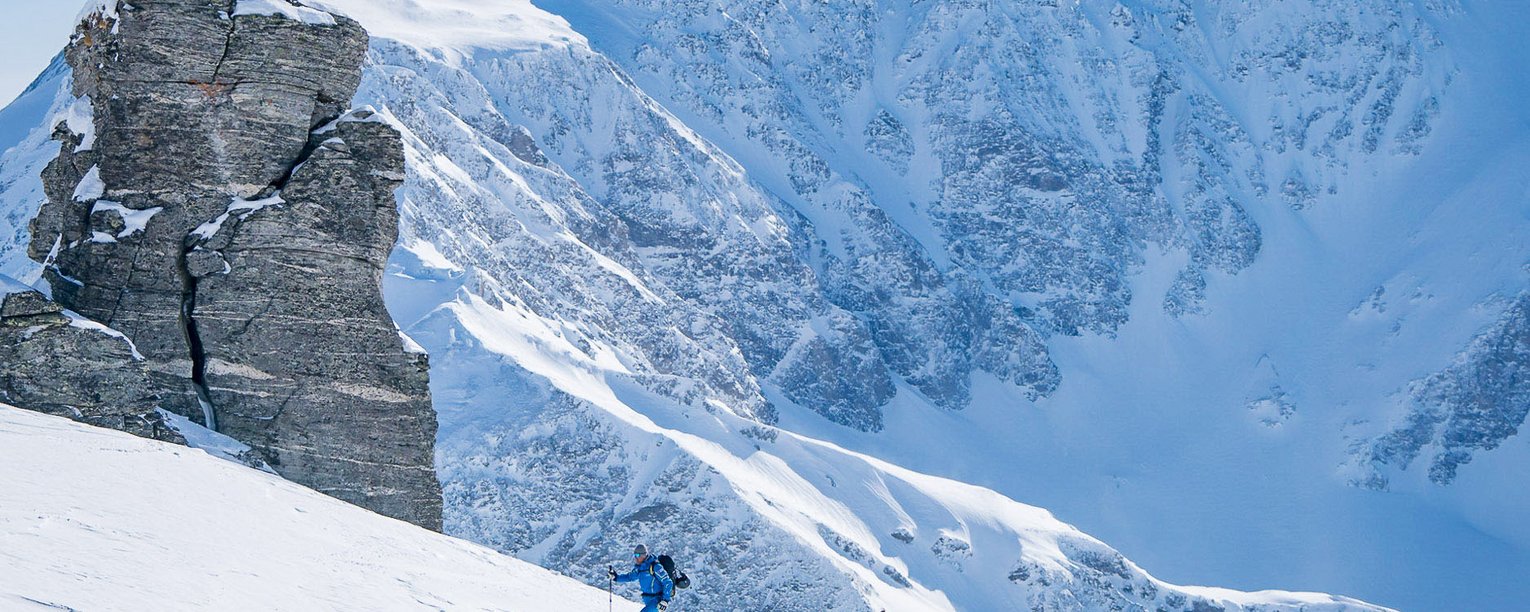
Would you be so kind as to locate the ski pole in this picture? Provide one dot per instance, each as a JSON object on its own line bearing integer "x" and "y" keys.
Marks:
{"x": 610, "y": 589}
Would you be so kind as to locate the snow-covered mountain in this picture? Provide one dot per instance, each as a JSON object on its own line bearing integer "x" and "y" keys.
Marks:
{"x": 718, "y": 276}
{"x": 96, "y": 519}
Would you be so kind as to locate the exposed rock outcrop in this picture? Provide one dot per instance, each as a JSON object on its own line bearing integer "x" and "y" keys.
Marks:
{"x": 60, "y": 363}
{"x": 219, "y": 210}
{"x": 1473, "y": 405}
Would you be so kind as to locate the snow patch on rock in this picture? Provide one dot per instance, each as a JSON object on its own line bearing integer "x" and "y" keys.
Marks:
{"x": 283, "y": 8}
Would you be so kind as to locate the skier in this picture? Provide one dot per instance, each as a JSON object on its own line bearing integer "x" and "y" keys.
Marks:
{"x": 657, "y": 586}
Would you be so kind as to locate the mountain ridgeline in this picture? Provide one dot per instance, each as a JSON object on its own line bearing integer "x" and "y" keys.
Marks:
{"x": 215, "y": 200}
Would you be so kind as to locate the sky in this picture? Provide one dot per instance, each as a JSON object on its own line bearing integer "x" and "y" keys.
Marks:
{"x": 33, "y": 32}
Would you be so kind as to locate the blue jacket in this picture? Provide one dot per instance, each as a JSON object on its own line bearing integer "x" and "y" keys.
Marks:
{"x": 652, "y": 578}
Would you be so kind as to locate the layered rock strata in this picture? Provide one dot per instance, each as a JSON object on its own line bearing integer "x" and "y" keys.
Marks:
{"x": 59, "y": 363}
{"x": 223, "y": 210}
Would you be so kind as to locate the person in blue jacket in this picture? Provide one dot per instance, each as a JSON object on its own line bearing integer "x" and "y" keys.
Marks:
{"x": 657, "y": 586}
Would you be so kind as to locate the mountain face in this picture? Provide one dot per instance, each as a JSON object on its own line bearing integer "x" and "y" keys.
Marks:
{"x": 585, "y": 405}
{"x": 1089, "y": 199}
{"x": 733, "y": 279}
{"x": 1017, "y": 160}
{"x": 213, "y": 200}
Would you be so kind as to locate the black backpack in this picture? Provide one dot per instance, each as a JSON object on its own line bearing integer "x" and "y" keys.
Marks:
{"x": 678, "y": 577}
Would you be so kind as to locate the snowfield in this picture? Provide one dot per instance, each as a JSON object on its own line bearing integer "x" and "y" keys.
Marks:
{"x": 95, "y": 519}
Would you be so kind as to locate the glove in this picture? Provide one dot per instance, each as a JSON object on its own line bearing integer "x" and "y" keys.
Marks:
{"x": 611, "y": 571}
{"x": 663, "y": 605}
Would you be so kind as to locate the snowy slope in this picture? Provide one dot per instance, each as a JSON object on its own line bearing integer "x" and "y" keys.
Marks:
{"x": 95, "y": 519}
{"x": 691, "y": 273}
{"x": 1351, "y": 212}
{"x": 568, "y": 425}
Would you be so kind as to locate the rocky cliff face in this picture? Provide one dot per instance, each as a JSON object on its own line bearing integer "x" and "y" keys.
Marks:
{"x": 58, "y": 362}
{"x": 1474, "y": 405}
{"x": 213, "y": 201}
{"x": 884, "y": 199}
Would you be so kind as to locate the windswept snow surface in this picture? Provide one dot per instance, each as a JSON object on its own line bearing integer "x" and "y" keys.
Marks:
{"x": 455, "y": 27}
{"x": 96, "y": 519}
